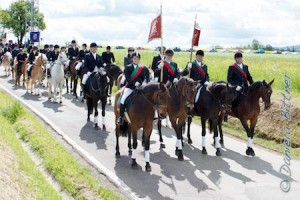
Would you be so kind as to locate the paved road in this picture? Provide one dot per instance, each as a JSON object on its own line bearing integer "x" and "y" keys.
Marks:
{"x": 232, "y": 176}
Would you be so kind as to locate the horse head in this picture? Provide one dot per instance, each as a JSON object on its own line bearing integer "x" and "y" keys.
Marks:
{"x": 161, "y": 99}
{"x": 63, "y": 59}
{"x": 102, "y": 81}
{"x": 266, "y": 92}
{"x": 187, "y": 89}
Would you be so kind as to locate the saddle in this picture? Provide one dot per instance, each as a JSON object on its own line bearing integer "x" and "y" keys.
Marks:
{"x": 129, "y": 100}
{"x": 237, "y": 101}
{"x": 197, "y": 97}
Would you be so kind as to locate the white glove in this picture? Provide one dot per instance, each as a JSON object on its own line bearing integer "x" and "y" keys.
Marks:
{"x": 74, "y": 57}
{"x": 189, "y": 66}
{"x": 89, "y": 73}
{"x": 238, "y": 88}
{"x": 206, "y": 83}
{"x": 137, "y": 84}
{"x": 175, "y": 80}
{"x": 161, "y": 65}
{"x": 104, "y": 64}
{"x": 114, "y": 63}
{"x": 107, "y": 79}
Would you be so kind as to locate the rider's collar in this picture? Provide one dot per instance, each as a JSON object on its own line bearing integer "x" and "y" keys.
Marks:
{"x": 168, "y": 61}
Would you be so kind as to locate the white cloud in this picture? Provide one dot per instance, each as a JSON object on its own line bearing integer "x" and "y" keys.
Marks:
{"x": 119, "y": 22}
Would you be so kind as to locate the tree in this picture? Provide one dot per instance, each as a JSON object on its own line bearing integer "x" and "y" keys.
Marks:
{"x": 255, "y": 44}
{"x": 17, "y": 19}
{"x": 269, "y": 47}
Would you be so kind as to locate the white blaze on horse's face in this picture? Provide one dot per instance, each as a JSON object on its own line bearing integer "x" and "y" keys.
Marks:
{"x": 63, "y": 58}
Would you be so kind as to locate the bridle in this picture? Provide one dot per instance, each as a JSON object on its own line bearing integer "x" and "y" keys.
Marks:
{"x": 154, "y": 105}
{"x": 98, "y": 83}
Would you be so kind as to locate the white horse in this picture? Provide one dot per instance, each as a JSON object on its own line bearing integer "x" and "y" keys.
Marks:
{"x": 57, "y": 76}
{"x": 6, "y": 62}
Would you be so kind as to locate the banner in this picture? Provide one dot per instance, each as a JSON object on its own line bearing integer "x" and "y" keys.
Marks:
{"x": 34, "y": 36}
{"x": 155, "y": 29}
{"x": 196, "y": 35}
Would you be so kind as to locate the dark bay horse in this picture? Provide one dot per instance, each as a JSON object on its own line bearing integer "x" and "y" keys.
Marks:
{"x": 114, "y": 72}
{"x": 72, "y": 65}
{"x": 181, "y": 97}
{"x": 248, "y": 109}
{"x": 144, "y": 101}
{"x": 213, "y": 99}
{"x": 97, "y": 90}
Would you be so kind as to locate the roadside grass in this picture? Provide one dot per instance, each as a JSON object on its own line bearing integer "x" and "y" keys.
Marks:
{"x": 73, "y": 177}
{"x": 35, "y": 184}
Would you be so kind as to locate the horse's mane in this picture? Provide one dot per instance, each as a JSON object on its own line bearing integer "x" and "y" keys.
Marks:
{"x": 150, "y": 87}
{"x": 255, "y": 86}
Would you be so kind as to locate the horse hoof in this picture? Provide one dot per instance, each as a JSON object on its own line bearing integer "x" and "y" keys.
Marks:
{"x": 96, "y": 127}
{"x": 109, "y": 103}
{"x": 180, "y": 155}
{"x": 60, "y": 101}
{"x": 118, "y": 155}
{"x": 190, "y": 141}
{"x": 176, "y": 151}
{"x": 252, "y": 153}
{"x": 162, "y": 146}
{"x": 248, "y": 151}
{"x": 218, "y": 152}
{"x": 204, "y": 152}
{"x": 104, "y": 128}
{"x": 130, "y": 153}
{"x": 143, "y": 143}
{"x": 82, "y": 101}
{"x": 134, "y": 164}
{"x": 88, "y": 120}
{"x": 148, "y": 167}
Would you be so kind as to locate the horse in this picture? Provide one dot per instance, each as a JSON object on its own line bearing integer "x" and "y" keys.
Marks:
{"x": 248, "y": 109}
{"x": 6, "y": 62}
{"x": 144, "y": 101}
{"x": 213, "y": 99}
{"x": 57, "y": 76}
{"x": 14, "y": 69}
{"x": 37, "y": 73}
{"x": 73, "y": 63}
{"x": 97, "y": 90}
{"x": 113, "y": 73}
{"x": 21, "y": 70}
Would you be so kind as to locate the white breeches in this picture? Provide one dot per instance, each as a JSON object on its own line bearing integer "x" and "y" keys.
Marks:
{"x": 123, "y": 79}
{"x": 29, "y": 67}
{"x": 78, "y": 66}
{"x": 126, "y": 94}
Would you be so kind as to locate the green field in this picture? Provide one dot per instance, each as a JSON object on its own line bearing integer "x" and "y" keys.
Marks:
{"x": 261, "y": 66}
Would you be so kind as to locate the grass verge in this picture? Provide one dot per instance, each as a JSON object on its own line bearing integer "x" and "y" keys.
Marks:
{"x": 66, "y": 170}
{"x": 31, "y": 183}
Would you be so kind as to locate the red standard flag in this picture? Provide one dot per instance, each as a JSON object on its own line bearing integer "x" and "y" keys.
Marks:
{"x": 155, "y": 29}
{"x": 196, "y": 35}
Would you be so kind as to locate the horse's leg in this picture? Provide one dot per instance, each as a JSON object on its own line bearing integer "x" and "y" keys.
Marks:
{"x": 134, "y": 164}
{"x": 250, "y": 140}
{"x": 75, "y": 87}
{"x": 189, "y": 129}
{"x": 110, "y": 91}
{"x": 162, "y": 145}
{"x": 148, "y": 130}
{"x": 250, "y": 137}
{"x": 214, "y": 124}
{"x": 60, "y": 92}
{"x": 220, "y": 130}
{"x": 129, "y": 142}
{"x": 203, "y": 121}
{"x": 178, "y": 131}
{"x": 89, "y": 107}
{"x": 143, "y": 138}
{"x": 67, "y": 85}
{"x": 103, "y": 103}
{"x": 95, "y": 106}
{"x": 117, "y": 154}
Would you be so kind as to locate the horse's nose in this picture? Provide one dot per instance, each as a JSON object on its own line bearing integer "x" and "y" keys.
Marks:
{"x": 162, "y": 116}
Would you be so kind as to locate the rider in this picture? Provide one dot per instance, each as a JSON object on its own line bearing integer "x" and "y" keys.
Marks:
{"x": 21, "y": 57}
{"x": 72, "y": 54}
{"x": 108, "y": 56}
{"x": 81, "y": 56}
{"x": 157, "y": 58}
{"x": 197, "y": 69}
{"x": 14, "y": 53}
{"x": 238, "y": 75}
{"x": 92, "y": 62}
{"x": 134, "y": 75}
{"x": 31, "y": 60}
{"x": 170, "y": 68}
{"x": 128, "y": 58}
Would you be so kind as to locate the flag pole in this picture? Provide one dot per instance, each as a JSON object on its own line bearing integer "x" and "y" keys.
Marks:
{"x": 192, "y": 46}
{"x": 161, "y": 45}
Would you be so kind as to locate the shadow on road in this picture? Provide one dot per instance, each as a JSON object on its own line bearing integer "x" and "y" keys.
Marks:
{"x": 53, "y": 105}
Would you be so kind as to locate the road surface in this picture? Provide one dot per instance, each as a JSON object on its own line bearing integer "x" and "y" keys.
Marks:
{"x": 232, "y": 176}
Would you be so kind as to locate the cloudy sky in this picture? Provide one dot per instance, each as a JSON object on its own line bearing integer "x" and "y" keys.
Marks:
{"x": 127, "y": 22}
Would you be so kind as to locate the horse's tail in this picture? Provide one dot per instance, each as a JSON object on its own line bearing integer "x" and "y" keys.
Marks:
{"x": 210, "y": 126}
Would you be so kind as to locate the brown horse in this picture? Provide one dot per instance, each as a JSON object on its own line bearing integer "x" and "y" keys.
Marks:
{"x": 213, "y": 99}
{"x": 181, "y": 97}
{"x": 248, "y": 109}
{"x": 144, "y": 102}
{"x": 72, "y": 63}
{"x": 37, "y": 73}
{"x": 21, "y": 71}
{"x": 14, "y": 69}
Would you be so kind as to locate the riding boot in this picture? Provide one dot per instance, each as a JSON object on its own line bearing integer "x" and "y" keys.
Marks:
{"x": 121, "y": 117}
{"x": 225, "y": 118}
{"x": 29, "y": 74}
{"x": 77, "y": 74}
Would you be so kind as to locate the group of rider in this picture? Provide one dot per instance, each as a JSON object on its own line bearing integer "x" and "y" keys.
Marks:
{"x": 133, "y": 76}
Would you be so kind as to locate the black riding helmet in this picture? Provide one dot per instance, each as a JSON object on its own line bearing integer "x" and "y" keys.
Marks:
{"x": 200, "y": 52}
{"x": 169, "y": 52}
{"x": 136, "y": 54}
{"x": 56, "y": 46}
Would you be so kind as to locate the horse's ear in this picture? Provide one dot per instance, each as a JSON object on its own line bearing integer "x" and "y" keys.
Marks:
{"x": 264, "y": 82}
{"x": 272, "y": 82}
{"x": 227, "y": 85}
{"x": 161, "y": 86}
